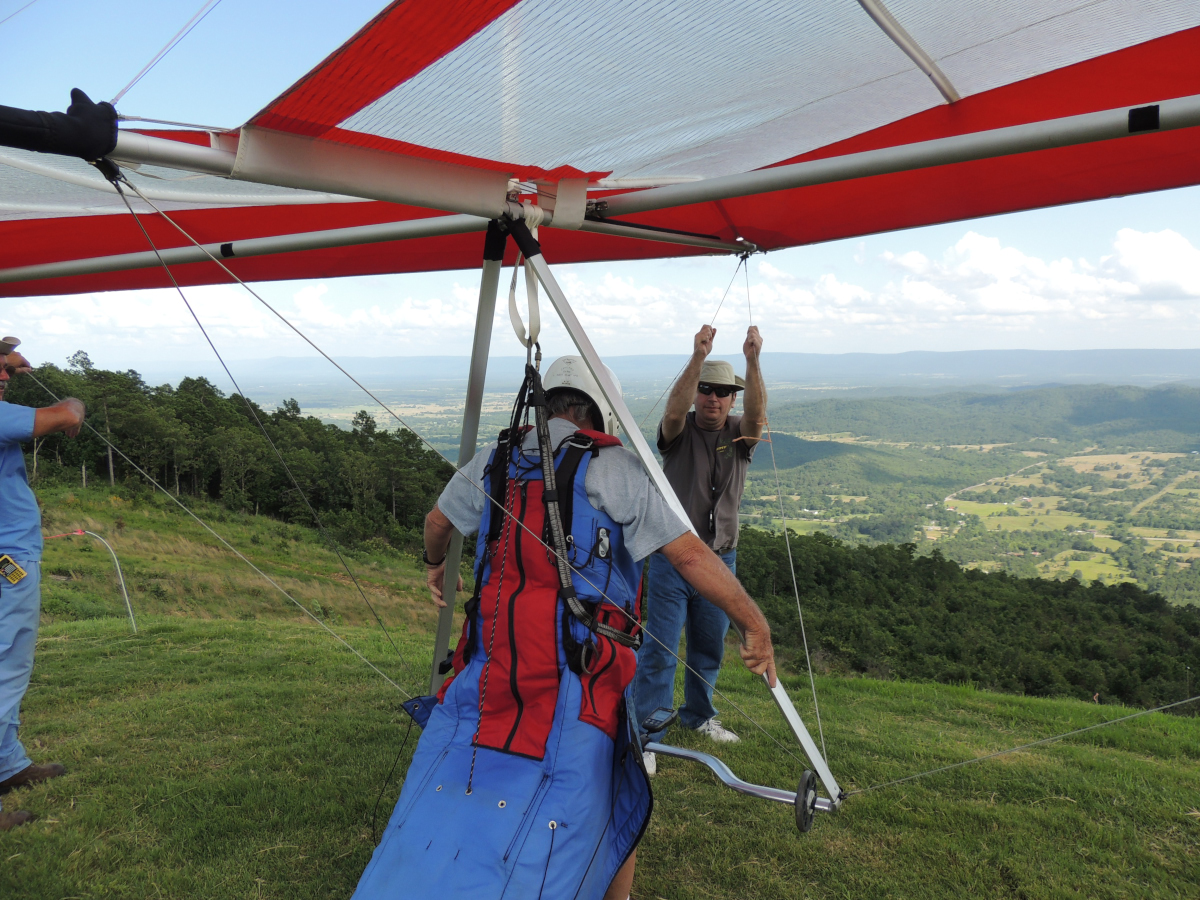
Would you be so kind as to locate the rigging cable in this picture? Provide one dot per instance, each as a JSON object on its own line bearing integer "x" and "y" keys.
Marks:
{"x": 458, "y": 473}
{"x": 670, "y": 384}
{"x": 788, "y": 543}
{"x": 1049, "y": 740}
{"x": 236, "y": 552}
{"x": 254, "y": 414}
{"x": 13, "y": 15}
{"x": 183, "y": 32}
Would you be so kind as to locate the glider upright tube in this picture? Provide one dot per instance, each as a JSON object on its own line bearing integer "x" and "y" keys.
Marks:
{"x": 533, "y": 256}
{"x": 493, "y": 260}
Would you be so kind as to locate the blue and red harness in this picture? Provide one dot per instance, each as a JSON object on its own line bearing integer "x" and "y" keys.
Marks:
{"x": 528, "y": 780}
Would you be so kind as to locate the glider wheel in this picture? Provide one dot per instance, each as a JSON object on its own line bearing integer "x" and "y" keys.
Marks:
{"x": 806, "y": 801}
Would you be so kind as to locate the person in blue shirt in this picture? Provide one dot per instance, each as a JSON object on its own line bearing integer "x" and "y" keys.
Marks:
{"x": 20, "y": 571}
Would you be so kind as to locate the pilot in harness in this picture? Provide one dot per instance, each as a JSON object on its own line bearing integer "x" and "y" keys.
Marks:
{"x": 528, "y": 779}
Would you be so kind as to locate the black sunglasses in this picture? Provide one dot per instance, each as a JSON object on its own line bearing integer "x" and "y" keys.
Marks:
{"x": 721, "y": 391}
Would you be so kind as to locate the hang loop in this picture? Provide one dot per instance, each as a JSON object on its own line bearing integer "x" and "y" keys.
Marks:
{"x": 534, "y": 216}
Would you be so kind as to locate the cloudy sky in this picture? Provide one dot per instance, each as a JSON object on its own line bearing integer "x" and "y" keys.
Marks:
{"x": 1115, "y": 273}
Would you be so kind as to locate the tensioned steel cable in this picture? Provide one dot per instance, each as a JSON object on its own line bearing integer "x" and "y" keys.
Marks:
{"x": 238, "y": 553}
{"x": 788, "y": 543}
{"x": 13, "y": 15}
{"x": 458, "y": 473}
{"x": 1049, "y": 740}
{"x": 170, "y": 45}
{"x": 671, "y": 383}
{"x": 254, "y": 414}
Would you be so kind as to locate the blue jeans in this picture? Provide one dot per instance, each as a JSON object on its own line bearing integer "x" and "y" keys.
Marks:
{"x": 671, "y": 606}
{"x": 20, "y": 606}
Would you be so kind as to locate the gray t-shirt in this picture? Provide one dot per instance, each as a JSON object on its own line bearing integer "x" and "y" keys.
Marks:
{"x": 616, "y": 483}
{"x": 707, "y": 469}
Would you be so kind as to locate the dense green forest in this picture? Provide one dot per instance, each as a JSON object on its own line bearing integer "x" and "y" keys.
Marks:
{"x": 873, "y": 605}
{"x": 365, "y": 483}
{"x": 886, "y": 611}
{"x": 1161, "y": 418}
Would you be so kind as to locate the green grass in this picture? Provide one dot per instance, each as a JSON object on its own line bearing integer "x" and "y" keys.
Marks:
{"x": 173, "y": 566}
{"x": 225, "y": 758}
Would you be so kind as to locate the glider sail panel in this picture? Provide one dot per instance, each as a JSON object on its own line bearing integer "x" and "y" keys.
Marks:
{"x": 545, "y": 90}
{"x": 709, "y": 88}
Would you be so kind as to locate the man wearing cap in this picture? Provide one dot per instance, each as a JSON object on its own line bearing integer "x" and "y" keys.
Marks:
{"x": 20, "y": 571}
{"x": 706, "y": 452}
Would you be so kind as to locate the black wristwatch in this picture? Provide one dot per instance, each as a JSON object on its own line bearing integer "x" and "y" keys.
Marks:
{"x": 429, "y": 562}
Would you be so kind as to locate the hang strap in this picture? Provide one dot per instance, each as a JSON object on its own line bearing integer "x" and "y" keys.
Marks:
{"x": 533, "y": 218}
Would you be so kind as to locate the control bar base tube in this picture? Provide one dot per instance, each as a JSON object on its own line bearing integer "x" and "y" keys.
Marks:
{"x": 784, "y": 702}
{"x": 493, "y": 260}
{"x": 726, "y": 776}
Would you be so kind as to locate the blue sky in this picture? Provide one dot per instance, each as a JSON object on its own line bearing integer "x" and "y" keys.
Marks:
{"x": 1114, "y": 273}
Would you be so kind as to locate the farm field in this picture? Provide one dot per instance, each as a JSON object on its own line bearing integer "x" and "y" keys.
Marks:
{"x": 1125, "y": 516}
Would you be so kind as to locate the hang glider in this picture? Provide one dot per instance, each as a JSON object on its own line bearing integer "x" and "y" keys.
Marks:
{"x": 647, "y": 132}
{"x": 626, "y": 131}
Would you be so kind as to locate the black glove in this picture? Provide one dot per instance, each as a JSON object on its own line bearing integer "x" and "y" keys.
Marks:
{"x": 87, "y": 130}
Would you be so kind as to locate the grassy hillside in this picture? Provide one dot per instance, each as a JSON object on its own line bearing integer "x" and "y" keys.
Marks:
{"x": 173, "y": 566}
{"x": 243, "y": 759}
{"x": 231, "y": 748}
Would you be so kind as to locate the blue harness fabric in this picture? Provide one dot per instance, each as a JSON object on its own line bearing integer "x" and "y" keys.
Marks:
{"x": 536, "y": 726}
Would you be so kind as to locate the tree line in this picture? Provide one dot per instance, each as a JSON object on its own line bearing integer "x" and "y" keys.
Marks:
{"x": 886, "y": 611}
{"x": 365, "y": 482}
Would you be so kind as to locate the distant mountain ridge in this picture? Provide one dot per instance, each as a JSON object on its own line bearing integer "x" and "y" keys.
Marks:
{"x": 1165, "y": 417}
{"x": 921, "y": 370}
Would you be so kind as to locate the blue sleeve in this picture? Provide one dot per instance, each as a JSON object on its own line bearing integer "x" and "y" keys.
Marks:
{"x": 16, "y": 423}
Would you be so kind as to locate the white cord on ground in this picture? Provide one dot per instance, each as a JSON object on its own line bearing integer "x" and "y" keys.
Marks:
{"x": 1049, "y": 740}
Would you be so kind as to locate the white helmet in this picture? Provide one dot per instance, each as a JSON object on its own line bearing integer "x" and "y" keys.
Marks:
{"x": 572, "y": 372}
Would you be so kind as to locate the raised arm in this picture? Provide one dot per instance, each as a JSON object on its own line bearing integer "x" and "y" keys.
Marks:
{"x": 703, "y": 570}
{"x": 754, "y": 402}
{"x": 683, "y": 394}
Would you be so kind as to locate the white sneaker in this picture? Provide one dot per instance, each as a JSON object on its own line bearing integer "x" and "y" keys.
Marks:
{"x": 650, "y": 762}
{"x": 715, "y": 730}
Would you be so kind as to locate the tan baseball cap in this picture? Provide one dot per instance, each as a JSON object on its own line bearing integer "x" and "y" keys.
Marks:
{"x": 8, "y": 345}
{"x": 719, "y": 372}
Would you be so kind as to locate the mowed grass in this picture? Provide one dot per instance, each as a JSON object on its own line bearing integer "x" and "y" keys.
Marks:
{"x": 173, "y": 566}
{"x": 226, "y": 758}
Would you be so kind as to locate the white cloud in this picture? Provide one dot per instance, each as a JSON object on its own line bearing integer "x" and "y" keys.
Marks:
{"x": 1163, "y": 263}
{"x": 978, "y": 291}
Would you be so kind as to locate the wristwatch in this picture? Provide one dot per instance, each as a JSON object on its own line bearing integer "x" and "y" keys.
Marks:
{"x": 429, "y": 562}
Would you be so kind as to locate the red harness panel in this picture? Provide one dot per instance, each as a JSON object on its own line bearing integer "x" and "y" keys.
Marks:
{"x": 519, "y": 685}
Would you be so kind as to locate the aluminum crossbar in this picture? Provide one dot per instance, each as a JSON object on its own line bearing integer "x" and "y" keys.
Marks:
{"x": 434, "y": 226}
{"x": 1182, "y": 112}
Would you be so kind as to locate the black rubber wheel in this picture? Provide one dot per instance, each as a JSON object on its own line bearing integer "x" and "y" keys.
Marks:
{"x": 806, "y": 801}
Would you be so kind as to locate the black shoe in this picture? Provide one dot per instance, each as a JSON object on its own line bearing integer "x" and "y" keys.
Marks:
{"x": 32, "y": 774}
{"x": 11, "y": 820}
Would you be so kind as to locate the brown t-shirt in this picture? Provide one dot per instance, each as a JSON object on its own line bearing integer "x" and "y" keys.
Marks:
{"x": 707, "y": 469}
